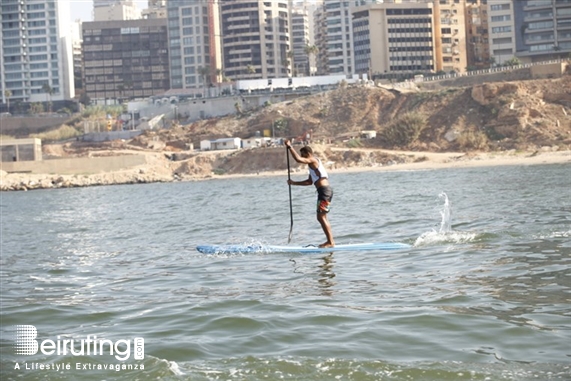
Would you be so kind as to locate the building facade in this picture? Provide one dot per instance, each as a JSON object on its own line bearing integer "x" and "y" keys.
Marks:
{"x": 125, "y": 59}
{"x": 109, "y": 10}
{"x": 338, "y": 37}
{"x": 502, "y": 31}
{"x": 450, "y": 36}
{"x": 542, "y": 29}
{"x": 36, "y": 60}
{"x": 406, "y": 38}
{"x": 194, "y": 43}
{"x": 256, "y": 38}
{"x": 300, "y": 38}
{"x": 477, "y": 34}
{"x": 394, "y": 39}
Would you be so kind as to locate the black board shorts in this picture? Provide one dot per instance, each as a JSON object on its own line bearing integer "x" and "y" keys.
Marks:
{"x": 324, "y": 197}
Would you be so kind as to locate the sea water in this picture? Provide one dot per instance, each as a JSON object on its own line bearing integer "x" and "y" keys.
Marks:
{"x": 483, "y": 294}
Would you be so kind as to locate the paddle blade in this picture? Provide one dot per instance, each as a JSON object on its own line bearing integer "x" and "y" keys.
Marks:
{"x": 290, "y": 234}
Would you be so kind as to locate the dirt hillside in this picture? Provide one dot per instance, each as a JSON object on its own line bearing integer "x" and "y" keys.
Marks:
{"x": 499, "y": 116}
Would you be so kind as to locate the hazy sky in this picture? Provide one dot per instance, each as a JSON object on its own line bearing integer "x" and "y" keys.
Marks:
{"x": 83, "y": 9}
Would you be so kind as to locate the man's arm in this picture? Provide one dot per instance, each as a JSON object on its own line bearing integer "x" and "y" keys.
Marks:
{"x": 304, "y": 182}
{"x": 296, "y": 156}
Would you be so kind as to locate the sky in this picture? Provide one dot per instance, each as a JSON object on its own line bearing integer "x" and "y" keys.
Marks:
{"x": 83, "y": 9}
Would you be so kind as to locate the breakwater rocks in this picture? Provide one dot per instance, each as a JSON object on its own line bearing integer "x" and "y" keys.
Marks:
{"x": 24, "y": 182}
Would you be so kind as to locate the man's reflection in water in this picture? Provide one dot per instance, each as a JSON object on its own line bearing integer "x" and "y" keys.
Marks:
{"x": 326, "y": 275}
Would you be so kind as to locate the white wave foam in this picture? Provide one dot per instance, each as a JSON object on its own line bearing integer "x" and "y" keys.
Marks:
{"x": 560, "y": 234}
{"x": 173, "y": 367}
{"x": 435, "y": 238}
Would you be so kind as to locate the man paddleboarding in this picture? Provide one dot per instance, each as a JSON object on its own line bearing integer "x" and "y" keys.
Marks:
{"x": 317, "y": 176}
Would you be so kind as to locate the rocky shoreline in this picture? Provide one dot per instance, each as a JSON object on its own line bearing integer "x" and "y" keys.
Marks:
{"x": 167, "y": 171}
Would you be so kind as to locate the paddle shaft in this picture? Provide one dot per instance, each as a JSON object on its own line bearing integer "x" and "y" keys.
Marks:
{"x": 290, "y": 204}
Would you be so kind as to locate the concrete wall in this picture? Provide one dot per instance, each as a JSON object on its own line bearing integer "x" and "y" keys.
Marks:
{"x": 76, "y": 166}
{"x": 110, "y": 135}
{"x": 23, "y": 125}
{"x": 21, "y": 149}
{"x": 553, "y": 70}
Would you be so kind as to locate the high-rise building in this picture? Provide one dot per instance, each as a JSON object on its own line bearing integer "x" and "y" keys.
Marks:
{"x": 543, "y": 29}
{"x": 450, "y": 35}
{"x": 320, "y": 41}
{"x": 409, "y": 37}
{"x": 300, "y": 42}
{"x": 256, "y": 38}
{"x": 157, "y": 9}
{"x": 194, "y": 43}
{"x": 502, "y": 31}
{"x": 338, "y": 35}
{"x": 125, "y": 59}
{"x": 394, "y": 39}
{"x": 36, "y": 59}
{"x": 477, "y": 34}
{"x": 108, "y": 10}
{"x": 76, "y": 43}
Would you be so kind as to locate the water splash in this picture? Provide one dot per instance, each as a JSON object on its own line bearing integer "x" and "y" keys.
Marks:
{"x": 445, "y": 234}
{"x": 446, "y": 223}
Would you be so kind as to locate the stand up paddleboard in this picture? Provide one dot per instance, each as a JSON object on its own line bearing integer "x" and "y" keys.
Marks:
{"x": 259, "y": 248}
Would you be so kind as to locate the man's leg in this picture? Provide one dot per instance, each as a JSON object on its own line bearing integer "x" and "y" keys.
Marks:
{"x": 322, "y": 218}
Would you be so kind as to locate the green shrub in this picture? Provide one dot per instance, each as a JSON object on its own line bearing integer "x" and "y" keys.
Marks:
{"x": 62, "y": 133}
{"x": 354, "y": 143}
{"x": 404, "y": 130}
{"x": 472, "y": 140}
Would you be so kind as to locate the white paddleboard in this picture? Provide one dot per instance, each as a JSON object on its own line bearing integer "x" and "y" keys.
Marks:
{"x": 259, "y": 248}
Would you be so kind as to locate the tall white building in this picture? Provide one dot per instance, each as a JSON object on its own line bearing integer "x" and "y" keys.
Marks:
{"x": 338, "y": 36}
{"x": 256, "y": 38}
{"x": 300, "y": 42}
{"x": 194, "y": 43}
{"x": 502, "y": 31}
{"x": 35, "y": 41}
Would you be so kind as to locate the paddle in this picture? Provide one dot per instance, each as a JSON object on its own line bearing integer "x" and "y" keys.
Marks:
{"x": 290, "y": 206}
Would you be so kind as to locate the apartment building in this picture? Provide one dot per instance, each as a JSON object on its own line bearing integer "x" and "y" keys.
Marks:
{"x": 337, "y": 34}
{"x": 300, "y": 41}
{"x": 155, "y": 9}
{"x": 502, "y": 31}
{"x": 109, "y": 10}
{"x": 194, "y": 41}
{"x": 450, "y": 35}
{"x": 394, "y": 38}
{"x": 542, "y": 29}
{"x": 477, "y": 35}
{"x": 36, "y": 61}
{"x": 320, "y": 41}
{"x": 125, "y": 59}
{"x": 256, "y": 38}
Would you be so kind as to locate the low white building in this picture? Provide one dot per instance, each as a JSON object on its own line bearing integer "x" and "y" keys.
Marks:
{"x": 205, "y": 145}
{"x": 220, "y": 144}
{"x": 255, "y": 142}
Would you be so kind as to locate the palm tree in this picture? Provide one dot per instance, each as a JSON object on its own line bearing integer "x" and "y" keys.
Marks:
{"x": 204, "y": 72}
{"x": 8, "y": 94}
{"x": 290, "y": 55}
{"x": 121, "y": 90}
{"x": 49, "y": 92}
{"x": 311, "y": 50}
{"x": 250, "y": 69}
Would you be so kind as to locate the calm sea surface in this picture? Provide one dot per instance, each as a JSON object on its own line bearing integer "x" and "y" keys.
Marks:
{"x": 483, "y": 294}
